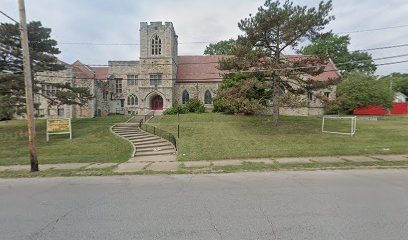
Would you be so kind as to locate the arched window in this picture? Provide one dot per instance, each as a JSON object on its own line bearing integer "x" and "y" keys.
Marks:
{"x": 132, "y": 100}
{"x": 207, "y": 97}
{"x": 156, "y": 45}
{"x": 186, "y": 97}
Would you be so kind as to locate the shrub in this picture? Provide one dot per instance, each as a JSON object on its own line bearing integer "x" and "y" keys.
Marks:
{"x": 195, "y": 106}
{"x": 218, "y": 104}
{"x": 182, "y": 109}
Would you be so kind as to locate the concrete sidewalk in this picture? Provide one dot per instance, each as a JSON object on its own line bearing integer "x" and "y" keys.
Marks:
{"x": 168, "y": 163}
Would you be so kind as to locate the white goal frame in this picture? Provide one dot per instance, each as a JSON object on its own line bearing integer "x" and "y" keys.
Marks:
{"x": 352, "y": 128}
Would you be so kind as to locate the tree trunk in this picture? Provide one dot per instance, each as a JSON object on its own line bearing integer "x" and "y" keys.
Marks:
{"x": 275, "y": 102}
{"x": 276, "y": 82}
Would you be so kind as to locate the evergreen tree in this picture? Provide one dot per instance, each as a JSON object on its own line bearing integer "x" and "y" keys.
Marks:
{"x": 274, "y": 28}
{"x": 43, "y": 51}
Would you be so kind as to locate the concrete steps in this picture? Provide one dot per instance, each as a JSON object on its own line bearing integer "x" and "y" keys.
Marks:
{"x": 146, "y": 144}
{"x": 154, "y": 145}
{"x": 155, "y": 153}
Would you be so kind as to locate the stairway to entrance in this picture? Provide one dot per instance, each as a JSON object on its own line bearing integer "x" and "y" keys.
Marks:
{"x": 145, "y": 144}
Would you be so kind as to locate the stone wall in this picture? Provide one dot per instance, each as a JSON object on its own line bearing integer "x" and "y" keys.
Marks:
{"x": 95, "y": 106}
{"x": 315, "y": 107}
{"x": 88, "y": 110}
{"x": 101, "y": 103}
{"x": 167, "y": 35}
{"x": 57, "y": 77}
{"x": 196, "y": 90}
{"x": 164, "y": 64}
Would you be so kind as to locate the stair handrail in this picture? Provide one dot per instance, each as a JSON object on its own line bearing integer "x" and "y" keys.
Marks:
{"x": 159, "y": 132}
{"x": 147, "y": 117}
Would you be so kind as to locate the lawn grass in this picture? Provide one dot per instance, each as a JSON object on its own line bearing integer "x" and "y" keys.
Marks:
{"x": 213, "y": 136}
{"x": 92, "y": 142}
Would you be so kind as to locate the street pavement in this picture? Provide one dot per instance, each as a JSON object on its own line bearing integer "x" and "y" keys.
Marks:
{"x": 353, "y": 204}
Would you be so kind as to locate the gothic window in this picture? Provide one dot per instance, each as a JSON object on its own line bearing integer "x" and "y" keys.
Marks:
{"x": 60, "y": 112}
{"x": 327, "y": 94}
{"x": 310, "y": 96}
{"x": 156, "y": 45}
{"x": 207, "y": 97}
{"x": 118, "y": 85}
{"x": 132, "y": 100}
{"x": 49, "y": 90}
{"x": 105, "y": 95}
{"x": 132, "y": 80}
{"x": 186, "y": 97}
{"x": 155, "y": 79}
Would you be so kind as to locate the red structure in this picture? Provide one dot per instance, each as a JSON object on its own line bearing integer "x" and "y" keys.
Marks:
{"x": 397, "y": 108}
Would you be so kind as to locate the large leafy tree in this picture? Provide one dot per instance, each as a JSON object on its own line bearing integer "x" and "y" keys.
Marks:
{"x": 361, "y": 90}
{"x": 242, "y": 93}
{"x": 224, "y": 47}
{"x": 43, "y": 54}
{"x": 275, "y": 27}
{"x": 337, "y": 48}
{"x": 398, "y": 81}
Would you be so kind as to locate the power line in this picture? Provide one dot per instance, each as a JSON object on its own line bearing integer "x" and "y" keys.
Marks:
{"x": 372, "y": 29}
{"x": 100, "y": 44}
{"x": 7, "y": 16}
{"x": 295, "y": 68}
{"x": 380, "y": 48}
{"x": 350, "y": 62}
{"x": 333, "y": 70}
{"x": 207, "y": 42}
{"x": 203, "y": 63}
{"x": 124, "y": 44}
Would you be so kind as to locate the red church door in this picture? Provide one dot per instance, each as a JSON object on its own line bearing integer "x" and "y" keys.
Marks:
{"x": 157, "y": 103}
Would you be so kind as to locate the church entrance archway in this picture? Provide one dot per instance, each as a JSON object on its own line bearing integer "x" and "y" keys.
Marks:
{"x": 157, "y": 103}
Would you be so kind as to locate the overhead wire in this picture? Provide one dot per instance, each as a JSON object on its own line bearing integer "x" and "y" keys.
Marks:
{"x": 7, "y": 16}
{"x": 372, "y": 29}
{"x": 220, "y": 73}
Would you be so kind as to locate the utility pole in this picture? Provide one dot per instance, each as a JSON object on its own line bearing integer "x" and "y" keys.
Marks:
{"x": 28, "y": 87}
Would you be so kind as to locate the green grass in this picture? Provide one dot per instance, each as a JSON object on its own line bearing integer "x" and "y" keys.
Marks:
{"x": 92, "y": 142}
{"x": 246, "y": 167}
{"x": 213, "y": 136}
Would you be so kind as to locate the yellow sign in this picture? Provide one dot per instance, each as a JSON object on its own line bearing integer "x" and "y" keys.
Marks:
{"x": 59, "y": 126}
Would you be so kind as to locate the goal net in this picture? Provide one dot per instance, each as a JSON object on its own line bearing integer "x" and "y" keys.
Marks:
{"x": 339, "y": 125}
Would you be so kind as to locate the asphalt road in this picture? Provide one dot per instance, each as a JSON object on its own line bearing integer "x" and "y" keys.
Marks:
{"x": 358, "y": 204}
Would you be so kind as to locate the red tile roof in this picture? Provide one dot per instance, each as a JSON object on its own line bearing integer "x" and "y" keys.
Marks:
{"x": 199, "y": 69}
{"x": 204, "y": 69}
{"x": 329, "y": 72}
{"x": 101, "y": 73}
{"x": 80, "y": 70}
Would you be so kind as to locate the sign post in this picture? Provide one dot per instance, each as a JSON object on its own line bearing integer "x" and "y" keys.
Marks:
{"x": 59, "y": 126}
{"x": 178, "y": 124}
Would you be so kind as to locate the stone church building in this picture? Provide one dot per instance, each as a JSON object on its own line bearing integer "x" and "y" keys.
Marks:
{"x": 154, "y": 83}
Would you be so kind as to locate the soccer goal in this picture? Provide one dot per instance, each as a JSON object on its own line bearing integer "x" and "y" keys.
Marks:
{"x": 339, "y": 125}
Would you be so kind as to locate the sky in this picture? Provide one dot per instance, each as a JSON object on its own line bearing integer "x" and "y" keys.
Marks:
{"x": 118, "y": 21}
